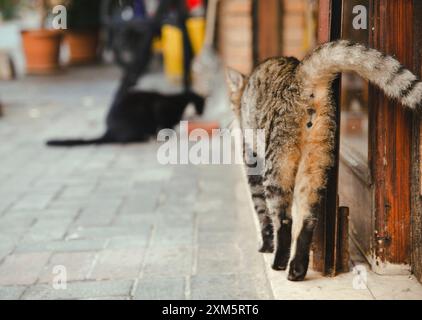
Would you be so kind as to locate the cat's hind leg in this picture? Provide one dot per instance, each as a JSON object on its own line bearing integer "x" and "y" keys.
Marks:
{"x": 316, "y": 159}
{"x": 278, "y": 185}
{"x": 258, "y": 198}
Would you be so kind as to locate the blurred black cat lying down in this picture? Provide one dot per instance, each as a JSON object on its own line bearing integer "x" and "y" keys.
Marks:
{"x": 138, "y": 116}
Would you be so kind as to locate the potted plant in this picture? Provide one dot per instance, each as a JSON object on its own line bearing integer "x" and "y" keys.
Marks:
{"x": 82, "y": 35}
{"x": 7, "y": 9}
{"x": 41, "y": 45}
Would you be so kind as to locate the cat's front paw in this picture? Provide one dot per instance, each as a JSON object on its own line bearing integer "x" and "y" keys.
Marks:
{"x": 280, "y": 263}
{"x": 281, "y": 260}
{"x": 298, "y": 270}
{"x": 278, "y": 267}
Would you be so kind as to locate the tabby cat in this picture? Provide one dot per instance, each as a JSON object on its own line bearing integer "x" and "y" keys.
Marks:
{"x": 138, "y": 116}
{"x": 292, "y": 101}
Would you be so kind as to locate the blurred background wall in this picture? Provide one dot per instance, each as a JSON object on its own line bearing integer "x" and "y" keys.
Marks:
{"x": 253, "y": 30}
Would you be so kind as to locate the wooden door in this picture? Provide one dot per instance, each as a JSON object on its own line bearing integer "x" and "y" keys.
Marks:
{"x": 376, "y": 181}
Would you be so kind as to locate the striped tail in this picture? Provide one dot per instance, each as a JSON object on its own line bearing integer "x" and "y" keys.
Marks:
{"x": 327, "y": 60}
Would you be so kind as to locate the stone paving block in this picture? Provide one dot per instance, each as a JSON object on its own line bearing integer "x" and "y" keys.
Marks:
{"x": 76, "y": 264}
{"x": 169, "y": 261}
{"x": 219, "y": 259}
{"x": 77, "y": 192}
{"x": 139, "y": 187}
{"x": 210, "y": 206}
{"x": 222, "y": 238}
{"x": 11, "y": 222}
{"x": 213, "y": 222}
{"x": 129, "y": 242}
{"x": 146, "y": 188}
{"x": 112, "y": 191}
{"x": 217, "y": 206}
{"x": 184, "y": 199}
{"x": 111, "y": 186}
{"x": 160, "y": 174}
{"x": 62, "y": 246}
{"x": 107, "y": 208}
{"x": 11, "y": 293}
{"x": 225, "y": 191}
{"x": 251, "y": 260}
{"x": 13, "y": 233}
{"x": 22, "y": 269}
{"x": 168, "y": 235}
{"x": 9, "y": 239}
{"x": 5, "y": 205}
{"x": 80, "y": 290}
{"x": 181, "y": 187}
{"x": 103, "y": 203}
{"x": 140, "y": 205}
{"x": 186, "y": 220}
{"x": 94, "y": 219}
{"x": 166, "y": 209}
{"x": 160, "y": 288}
{"x": 260, "y": 281}
{"x": 66, "y": 205}
{"x": 135, "y": 219}
{"x": 4, "y": 253}
{"x": 33, "y": 201}
{"x": 47, "y": 229}
{"x": 53, "y": 190}
{"x": 117, "y": 264}
{"x": 45, "y": 213}
{"x": 106, "y": 232}
{"x": 6, "y": 247}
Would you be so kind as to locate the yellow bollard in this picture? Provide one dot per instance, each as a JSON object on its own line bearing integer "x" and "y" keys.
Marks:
{"x": 172, "y": 45}
{"x": 196, "y": 30}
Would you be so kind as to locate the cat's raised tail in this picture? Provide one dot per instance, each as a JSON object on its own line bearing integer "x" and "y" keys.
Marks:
{"x": 322, "y": 65}
{"x": 78, "y": 142}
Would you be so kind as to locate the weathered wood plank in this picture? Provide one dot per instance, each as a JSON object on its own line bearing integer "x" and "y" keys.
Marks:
{"x": 391, "y": 132}
{"x": 416, "y": 157}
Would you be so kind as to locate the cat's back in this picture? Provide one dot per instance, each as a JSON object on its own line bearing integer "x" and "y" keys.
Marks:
{"x": 271, "y": 88}
{"x": 274, "y": 75}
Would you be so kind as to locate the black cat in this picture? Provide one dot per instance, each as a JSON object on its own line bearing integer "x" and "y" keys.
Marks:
{"x": 138, "y": 116}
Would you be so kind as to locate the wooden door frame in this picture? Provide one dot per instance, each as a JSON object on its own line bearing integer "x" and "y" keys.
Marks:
{"x": 391, "y": 140}
{"x": 416, "y": 218}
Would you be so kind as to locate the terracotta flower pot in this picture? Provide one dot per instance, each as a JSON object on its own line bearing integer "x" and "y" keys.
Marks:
{"x": 207, "y": 126}
{"x": 83, "y": 46}
{"x": 42, "y": 50}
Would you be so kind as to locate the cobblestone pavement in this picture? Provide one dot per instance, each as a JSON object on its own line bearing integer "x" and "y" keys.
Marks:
{"x": 124, "y": 226}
